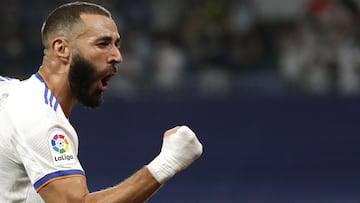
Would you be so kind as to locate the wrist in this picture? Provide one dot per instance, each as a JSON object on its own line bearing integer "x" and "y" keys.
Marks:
{"x": 162, "y": 169}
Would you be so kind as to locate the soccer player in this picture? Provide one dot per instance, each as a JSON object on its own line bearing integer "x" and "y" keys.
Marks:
{"x": 38, "y": 151}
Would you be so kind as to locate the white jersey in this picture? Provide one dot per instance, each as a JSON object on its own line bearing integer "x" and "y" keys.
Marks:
{"x": 38, "y": 145}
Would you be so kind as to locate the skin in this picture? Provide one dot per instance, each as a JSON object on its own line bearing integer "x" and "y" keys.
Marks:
{"x": 97, "y": 41}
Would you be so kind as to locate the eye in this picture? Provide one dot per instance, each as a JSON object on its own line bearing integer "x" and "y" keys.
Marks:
{"x": 103, "y": 44}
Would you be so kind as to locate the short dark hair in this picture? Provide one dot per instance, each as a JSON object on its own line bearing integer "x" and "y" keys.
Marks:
{"x": 64, "y": 17}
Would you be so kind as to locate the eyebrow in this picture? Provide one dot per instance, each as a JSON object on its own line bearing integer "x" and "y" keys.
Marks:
{"x": 107, "y": 39}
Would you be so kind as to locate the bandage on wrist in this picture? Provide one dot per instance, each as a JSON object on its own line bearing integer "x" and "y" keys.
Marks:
{"x": 162, "y": 168}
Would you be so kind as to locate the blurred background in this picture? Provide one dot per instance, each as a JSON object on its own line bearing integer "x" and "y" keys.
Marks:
{"x": 272, "y": 88}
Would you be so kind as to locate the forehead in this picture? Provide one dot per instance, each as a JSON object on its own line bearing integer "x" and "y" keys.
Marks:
{"x": 96, "y": 26}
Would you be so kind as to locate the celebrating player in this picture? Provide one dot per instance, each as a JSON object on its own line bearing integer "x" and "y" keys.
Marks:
{"x": 38, "y": 151}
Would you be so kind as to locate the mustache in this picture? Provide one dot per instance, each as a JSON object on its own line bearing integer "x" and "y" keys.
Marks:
{"x": 110, "y": 70}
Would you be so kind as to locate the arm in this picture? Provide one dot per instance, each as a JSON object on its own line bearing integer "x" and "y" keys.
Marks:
{"x": 180, "y": 148}
{"x": 137, "y": 188}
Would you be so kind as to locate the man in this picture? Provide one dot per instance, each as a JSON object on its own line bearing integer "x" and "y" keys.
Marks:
{"x": 38, "y": 151}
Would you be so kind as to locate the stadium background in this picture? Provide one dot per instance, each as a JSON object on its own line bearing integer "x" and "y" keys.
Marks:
{"x": 271, "y": 87}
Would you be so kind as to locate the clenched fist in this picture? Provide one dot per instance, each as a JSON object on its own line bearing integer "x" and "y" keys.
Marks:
{"x": 180, "y": 148}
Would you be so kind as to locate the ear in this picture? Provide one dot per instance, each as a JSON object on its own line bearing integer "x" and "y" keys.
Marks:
{"x": 61, "y": 48}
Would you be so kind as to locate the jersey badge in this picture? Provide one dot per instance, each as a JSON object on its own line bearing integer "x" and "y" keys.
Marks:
{"x": 61, "y": 150}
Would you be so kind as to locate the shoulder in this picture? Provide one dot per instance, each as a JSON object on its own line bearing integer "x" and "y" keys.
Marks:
{"x": 34, "y": 109}
{"x": 32, "y": 99}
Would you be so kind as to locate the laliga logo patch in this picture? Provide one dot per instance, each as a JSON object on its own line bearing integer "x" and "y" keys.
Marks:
{"x": 61, "y": 151}
{"x": 60, "y": 143}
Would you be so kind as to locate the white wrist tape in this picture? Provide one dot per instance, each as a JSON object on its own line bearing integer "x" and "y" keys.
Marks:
{"x": 178, "y": 151}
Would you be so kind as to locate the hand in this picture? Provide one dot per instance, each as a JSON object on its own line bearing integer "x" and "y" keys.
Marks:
{"x": 180, "y": 148}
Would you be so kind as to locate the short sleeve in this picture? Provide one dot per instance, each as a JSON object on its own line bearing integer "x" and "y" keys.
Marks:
{"x": 49, "y": 155}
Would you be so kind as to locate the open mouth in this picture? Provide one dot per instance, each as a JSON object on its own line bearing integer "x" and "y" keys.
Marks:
{"x": 105, "y": 81}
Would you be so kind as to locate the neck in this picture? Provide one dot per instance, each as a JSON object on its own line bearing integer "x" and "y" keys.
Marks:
{"x": 57, "y": 82}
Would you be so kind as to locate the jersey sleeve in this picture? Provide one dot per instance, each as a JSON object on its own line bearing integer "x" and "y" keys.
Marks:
{"x": 49, "y": 156}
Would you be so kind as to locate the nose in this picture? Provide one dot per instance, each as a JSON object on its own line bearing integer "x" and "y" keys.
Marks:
{"x": 115, "y": 56}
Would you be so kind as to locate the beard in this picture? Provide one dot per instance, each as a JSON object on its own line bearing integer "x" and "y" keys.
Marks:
{"x": 82, "y": 75}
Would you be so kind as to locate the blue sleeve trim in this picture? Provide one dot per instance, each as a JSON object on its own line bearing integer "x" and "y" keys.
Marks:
{"x": 56, "y": 174}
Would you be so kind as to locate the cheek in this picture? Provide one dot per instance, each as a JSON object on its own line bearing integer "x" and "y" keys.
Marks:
{"x": 95, "y": 57}
{"x": 98, "y": 64}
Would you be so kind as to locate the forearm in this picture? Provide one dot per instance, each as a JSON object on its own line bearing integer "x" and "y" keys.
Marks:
{"x": 137, "y": 188}
{"x": 180, "y": 148}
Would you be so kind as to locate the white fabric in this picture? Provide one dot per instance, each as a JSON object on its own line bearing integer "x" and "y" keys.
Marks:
{"x": 178, "y": 151}
{"x": 38, "y": 144}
